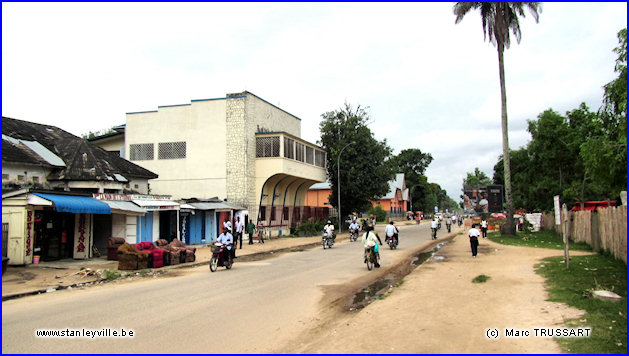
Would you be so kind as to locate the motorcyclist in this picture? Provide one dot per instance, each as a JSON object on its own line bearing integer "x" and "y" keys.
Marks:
{"x": 226, "y": 239}
{"x": 392, "y": 232}
{"x": 370, "y": 239}
{"x": 353, "y": 227}
{"x": 328, "y": 230}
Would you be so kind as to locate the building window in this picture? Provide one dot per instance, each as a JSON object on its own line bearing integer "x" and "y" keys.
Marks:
{"x": 289, "y": 148}
{"x": 20, "y": 178}
{"x": 141, "y": 152}
{"x": 285, "y": 213}
{"x": 273, "y": 213}
{"x": 309, "y": 155}
{"x": 263, "y": 213}
{"x": 299, "y": 151}
{"x": 319, "y": 158}
{"x": 171, "y": 150}
{"x": 268, "y": 146}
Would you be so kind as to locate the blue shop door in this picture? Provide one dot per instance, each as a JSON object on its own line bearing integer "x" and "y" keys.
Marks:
{"x": 210, "y": 227}
{"x": 145, "y": 227}
{"x": 196, "y": 228}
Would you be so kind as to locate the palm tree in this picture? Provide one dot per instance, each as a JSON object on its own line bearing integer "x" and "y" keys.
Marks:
{"x": 498, "y": 19}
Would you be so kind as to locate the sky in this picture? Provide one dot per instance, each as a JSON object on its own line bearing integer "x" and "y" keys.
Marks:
{"x": 426, "y": 82}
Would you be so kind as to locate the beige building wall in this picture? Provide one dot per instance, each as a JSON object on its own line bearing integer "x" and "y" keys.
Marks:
{"x": 201, "y": 125}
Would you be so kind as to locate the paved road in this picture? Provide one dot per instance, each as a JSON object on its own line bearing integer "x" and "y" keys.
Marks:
{"x": 252, "y": 308}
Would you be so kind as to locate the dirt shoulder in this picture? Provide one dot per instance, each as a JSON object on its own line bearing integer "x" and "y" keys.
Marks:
{"x": 437, "y": 308}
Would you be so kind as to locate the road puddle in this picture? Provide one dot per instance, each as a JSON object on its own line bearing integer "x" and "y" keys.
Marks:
{"x": 379, "y": 289}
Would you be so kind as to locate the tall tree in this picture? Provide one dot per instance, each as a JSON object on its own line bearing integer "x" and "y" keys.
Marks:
{"x": 499, "y": 18}
{"x": 478, "y": 178}
{"x": 605, "y": 154}
{"x": 365, "y": 166}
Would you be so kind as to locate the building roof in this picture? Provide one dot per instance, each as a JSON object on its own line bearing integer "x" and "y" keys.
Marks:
{"x": 394, "y": 185}
{"x": 71, "y": 157}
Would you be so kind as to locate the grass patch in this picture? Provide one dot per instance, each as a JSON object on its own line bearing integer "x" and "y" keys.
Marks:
{"x": 110, "y": 275}
{"x": 541, "y": 239}
{"x": 481, "y": 279}
{"x": 607, "y": 320}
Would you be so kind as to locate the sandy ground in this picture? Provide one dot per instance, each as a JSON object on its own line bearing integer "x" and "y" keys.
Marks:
{"x": 437, "y": 308}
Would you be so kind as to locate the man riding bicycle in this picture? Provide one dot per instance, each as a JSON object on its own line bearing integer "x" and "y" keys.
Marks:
{"x": 370, "y": 239}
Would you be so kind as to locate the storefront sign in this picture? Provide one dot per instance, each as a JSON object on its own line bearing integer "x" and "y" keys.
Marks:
{"x": 150, "y": 197}
{"x": 82, "y": 236}
{"x": 29, "y": 231}
{"x": 118, "y": 197}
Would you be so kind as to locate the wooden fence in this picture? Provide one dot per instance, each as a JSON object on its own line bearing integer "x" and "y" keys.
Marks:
{"x": 603, "y": 229}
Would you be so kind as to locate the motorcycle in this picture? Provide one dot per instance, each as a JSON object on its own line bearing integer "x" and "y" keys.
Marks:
{"x": 219, "y": 251}
{"x": 327, "y": 241}
{"x": 392, "y": 241}
{"x": 353, "y": 235}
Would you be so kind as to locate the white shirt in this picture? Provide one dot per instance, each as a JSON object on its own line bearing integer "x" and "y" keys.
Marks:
{"x": 228, "y": 225}
{"x": 226, "y": 239}
{"x": 448, "y": 221}
{"x": 354, "y": 226}
{"x": 390, "y": 230}
{"x": 473, "y": 232}
{"x": 329, "y": 229}
{"x": 369, "y": 241}
{"x": 239, "y": 226}
{"x": 483, "y": 223}
{"x": 433, "y": 224}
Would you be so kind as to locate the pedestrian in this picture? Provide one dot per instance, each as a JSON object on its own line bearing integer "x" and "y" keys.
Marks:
{"x": 240, "y": 227}
{"x": 418, "y": 218}
{"x": 260, "y": 232}
{"x": 483, "y": 227}
{"x": 251, "y": 227}
{"x": 434, "y": 228}
{"x": 448, "y": 223}
{"x": 473, "y": 234}
{"x": 227, "y": 225}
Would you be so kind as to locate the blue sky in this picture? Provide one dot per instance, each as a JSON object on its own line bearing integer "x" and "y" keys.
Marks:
{"x": 428, "y": 83}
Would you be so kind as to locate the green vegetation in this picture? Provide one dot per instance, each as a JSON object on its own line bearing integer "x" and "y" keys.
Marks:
{"x": 308, "y": 228}
{"x": 111, "y": 275}
{"x": 607, "y": 320}
{"x": 481, "y": 278}
{"x": 381, "y": 214}
{"x": 541, "y": 239}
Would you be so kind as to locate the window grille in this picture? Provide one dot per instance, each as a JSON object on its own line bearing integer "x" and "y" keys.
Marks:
{"x": 171, "y": 150}
{"x": 141, "y": 152}
{"x": 289, "y": 148}
{"x": 299, "y": 151}
{"x": 309, "y": 155}
{"x": 268, "y": 146}
{"x": 263, "y": 213}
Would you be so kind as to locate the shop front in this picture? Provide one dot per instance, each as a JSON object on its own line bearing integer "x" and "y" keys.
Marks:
{"x": 49, "y": 226}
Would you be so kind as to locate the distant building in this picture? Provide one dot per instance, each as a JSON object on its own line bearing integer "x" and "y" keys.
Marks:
{"x": 395, "y": 202}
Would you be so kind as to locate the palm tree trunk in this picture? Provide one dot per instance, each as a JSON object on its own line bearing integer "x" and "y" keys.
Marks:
{"x": 509, "y": 228}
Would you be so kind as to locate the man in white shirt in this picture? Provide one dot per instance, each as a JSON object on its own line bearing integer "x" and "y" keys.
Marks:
{"x": 329, "y": 230}
{"x": 483, "y": 227}
{"x": 434, "y": 226}
{"x": 227, "y": 239}
{"x": 392, "y": 232}
{"x": 353, "y": 228}
{"x": 227, "y": 225}
{"x": 473, "y": 234}
{"x": 239, "y": 226}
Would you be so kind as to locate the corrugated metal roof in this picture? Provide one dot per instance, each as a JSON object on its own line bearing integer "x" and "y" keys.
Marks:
{"x": 76, "y": 204}
{"x": 216, "y": 206}
{"x": 124, "y": 206}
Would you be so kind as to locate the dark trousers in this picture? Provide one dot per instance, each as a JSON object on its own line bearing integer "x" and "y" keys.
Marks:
{"x": 484, "y": 230}
{"x": 251, "y": 238}
{"x": 474, "y": 244}
{"x": 238, "y": 237}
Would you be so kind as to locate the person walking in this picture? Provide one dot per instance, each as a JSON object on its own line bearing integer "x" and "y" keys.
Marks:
{"x": 434, "y": 227}
{"x": 251, "y": 228}
{"x": 449, "y": 223}
{"x": 483, "y": 227}
{"x": 260, "y": 232}
{"x": 239, "y": 226}
{"x": 473, "y": 234}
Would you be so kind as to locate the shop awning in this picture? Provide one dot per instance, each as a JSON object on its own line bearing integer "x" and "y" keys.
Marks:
{"x": 76, "y": 204}
{"x": 157, "y": 204}
{"x": 125, "y": 206}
